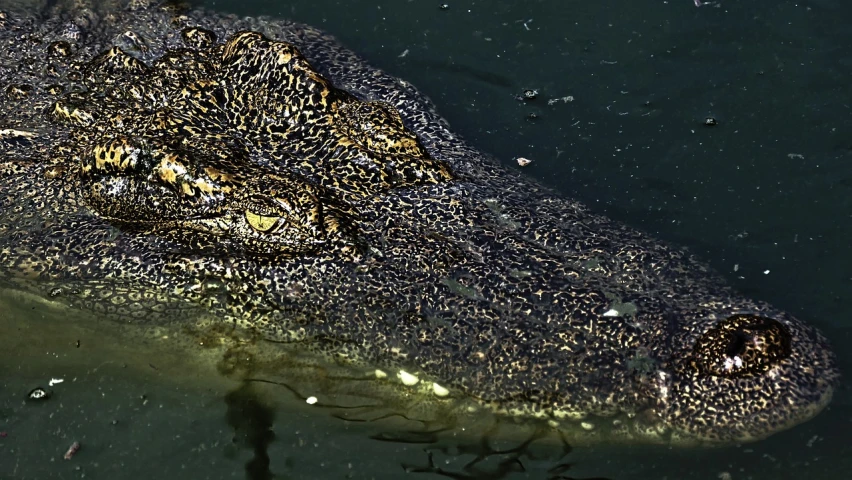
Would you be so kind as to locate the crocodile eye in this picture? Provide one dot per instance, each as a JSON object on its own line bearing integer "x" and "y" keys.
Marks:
{"x": 741, "y": 346}
{"x": 261, "y": 223}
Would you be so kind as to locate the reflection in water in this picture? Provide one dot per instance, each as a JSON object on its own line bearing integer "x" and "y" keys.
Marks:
{"x": 496, "y": 463}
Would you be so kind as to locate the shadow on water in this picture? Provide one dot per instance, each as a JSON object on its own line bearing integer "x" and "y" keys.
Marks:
{"x": 252, "y": 423}
{"x": 498, "y": 452}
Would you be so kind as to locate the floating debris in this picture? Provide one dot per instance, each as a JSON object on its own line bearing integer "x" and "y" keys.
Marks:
{"x": 72, "y": 450}
{"x": 38, "y": 394}
{"x": 528, "y": 95}
{"x": 710, "y": 122}
{"x": 311, "y": 400}
{"x": 54, "y": 381}
{"x": 565, "y": 99}
{"x": 523, "y": 162}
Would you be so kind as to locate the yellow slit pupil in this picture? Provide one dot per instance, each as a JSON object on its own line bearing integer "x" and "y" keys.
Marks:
{"x": 261, "y": 223}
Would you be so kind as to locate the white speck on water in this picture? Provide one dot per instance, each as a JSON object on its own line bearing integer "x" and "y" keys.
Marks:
{"x": 565, "y": 99}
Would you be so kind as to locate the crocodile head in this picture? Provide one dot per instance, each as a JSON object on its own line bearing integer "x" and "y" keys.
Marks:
{"x": 332, "y": 207}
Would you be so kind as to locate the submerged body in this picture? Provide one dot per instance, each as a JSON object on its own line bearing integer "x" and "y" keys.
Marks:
{"x": 156, "y": 161}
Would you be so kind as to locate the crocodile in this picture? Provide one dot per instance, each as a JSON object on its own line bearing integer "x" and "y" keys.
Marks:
{"x": 158, "y": 159}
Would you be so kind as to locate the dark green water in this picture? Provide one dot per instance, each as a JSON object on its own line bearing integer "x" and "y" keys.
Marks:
{"x": 765, "y": 196}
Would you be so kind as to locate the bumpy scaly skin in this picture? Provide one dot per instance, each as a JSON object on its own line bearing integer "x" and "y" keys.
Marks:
{"x": 154, "y": 161}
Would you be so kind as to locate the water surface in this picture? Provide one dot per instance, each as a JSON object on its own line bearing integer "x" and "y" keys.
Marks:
{"x": 624, "y": 93}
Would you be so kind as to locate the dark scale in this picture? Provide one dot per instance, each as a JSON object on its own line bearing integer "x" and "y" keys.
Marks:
{"x": 287, "y": 187}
